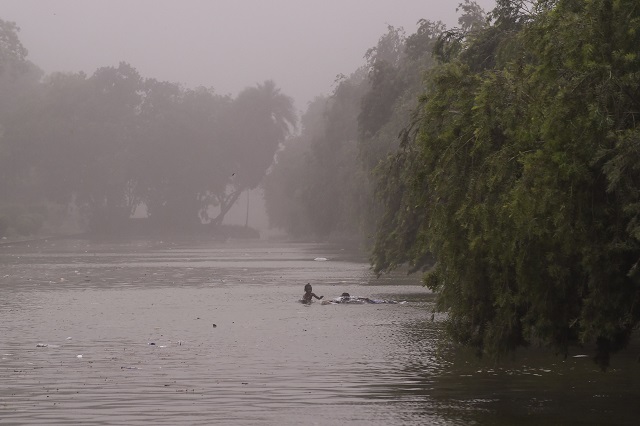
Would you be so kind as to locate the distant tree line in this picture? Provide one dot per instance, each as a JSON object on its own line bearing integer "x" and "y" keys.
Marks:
{"x": 114, "y": 141}
{"x": 502, "y": 158}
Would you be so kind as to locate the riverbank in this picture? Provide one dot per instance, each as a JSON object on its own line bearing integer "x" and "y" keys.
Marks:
{"x": 8, "y": 241}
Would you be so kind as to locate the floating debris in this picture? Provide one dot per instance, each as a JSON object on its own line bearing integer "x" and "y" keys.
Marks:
{"x": 42, "y": 345}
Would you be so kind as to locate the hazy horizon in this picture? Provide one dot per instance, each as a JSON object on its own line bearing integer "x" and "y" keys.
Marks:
{"x": 227, "y": 45}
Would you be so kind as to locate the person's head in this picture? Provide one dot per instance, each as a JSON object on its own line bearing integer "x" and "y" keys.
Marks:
{"x": 345, "y": 295}
{"x": 307, "y": 287}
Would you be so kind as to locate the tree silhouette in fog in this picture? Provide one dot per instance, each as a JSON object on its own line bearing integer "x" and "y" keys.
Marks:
{"x": 260, "y": 119}
{"x": 114, "y": 141}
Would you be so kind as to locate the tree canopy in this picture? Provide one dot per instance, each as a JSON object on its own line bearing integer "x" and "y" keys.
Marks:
{"x": 522, "y": 179}
{"x": 114, "y": 141}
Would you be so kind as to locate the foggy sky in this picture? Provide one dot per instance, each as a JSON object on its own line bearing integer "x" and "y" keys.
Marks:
{"x": 224, "y": 44}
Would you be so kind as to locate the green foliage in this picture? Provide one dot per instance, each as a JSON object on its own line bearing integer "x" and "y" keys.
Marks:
{"x": 523, "y": 179}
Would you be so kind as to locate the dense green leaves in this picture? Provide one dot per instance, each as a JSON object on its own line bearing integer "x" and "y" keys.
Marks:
{"x": 527, "y": 179}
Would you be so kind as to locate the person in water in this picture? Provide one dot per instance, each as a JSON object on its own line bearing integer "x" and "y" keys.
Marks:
{"x": 308, "y": 294}
{"x": 347, "y": 298}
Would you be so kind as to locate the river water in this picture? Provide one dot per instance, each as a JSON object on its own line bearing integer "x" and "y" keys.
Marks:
{"x": 201, "y": 333}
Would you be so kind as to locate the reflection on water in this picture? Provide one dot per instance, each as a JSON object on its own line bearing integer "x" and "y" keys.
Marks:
{"x": 130, "y": 338}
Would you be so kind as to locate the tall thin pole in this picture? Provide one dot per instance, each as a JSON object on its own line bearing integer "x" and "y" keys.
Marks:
{"x": 246, "y": 222}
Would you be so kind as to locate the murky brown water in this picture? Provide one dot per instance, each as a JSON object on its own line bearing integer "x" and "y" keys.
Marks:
{"x": 130, "y": 336}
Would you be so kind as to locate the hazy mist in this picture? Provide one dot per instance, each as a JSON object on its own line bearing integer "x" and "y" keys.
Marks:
{"x": 224, "y": 44}
{"x": 175, "y": 111}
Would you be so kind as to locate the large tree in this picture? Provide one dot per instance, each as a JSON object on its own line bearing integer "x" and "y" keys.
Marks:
{"x": 524, "y": 175}
{"x": 183, "y": 153}
{"x": 259, "y": 121}
{"x": 19, "y": 85}
{"x": 83, "y": 129}
{"x": 287, "y": 185}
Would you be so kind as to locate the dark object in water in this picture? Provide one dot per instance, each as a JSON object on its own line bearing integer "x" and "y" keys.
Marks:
{"x": 348, "y": 299}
